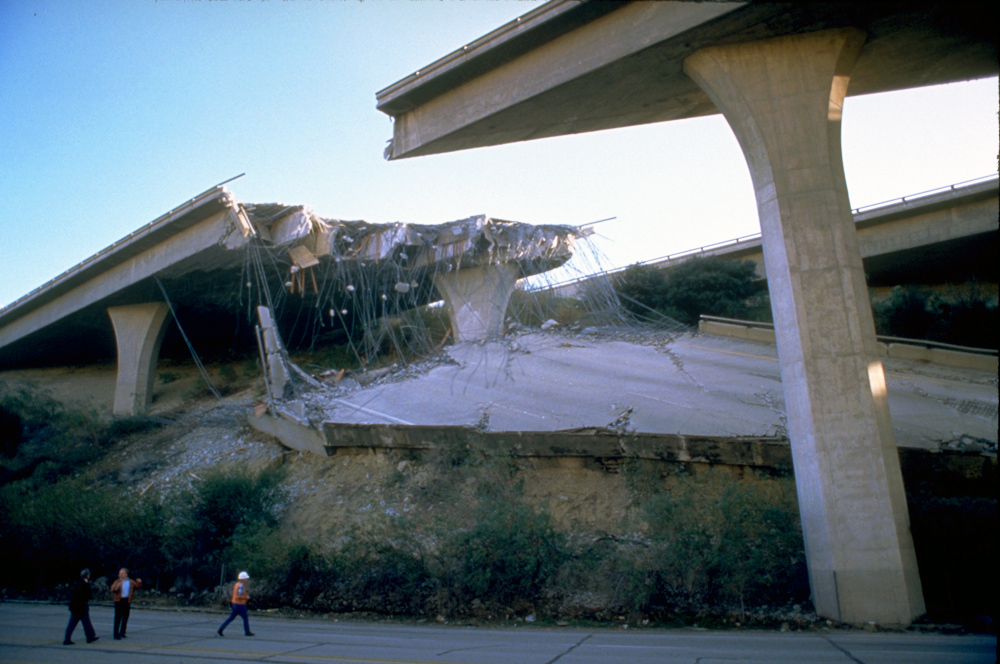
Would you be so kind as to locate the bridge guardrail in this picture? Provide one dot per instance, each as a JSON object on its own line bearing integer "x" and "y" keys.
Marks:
{"x": 902, "y": 200}
{"x": 920, "y": 350}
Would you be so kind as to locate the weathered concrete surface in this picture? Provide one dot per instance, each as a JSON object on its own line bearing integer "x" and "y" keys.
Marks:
{"x": 275, "y": 366}
{"x": 695, "y": 385}
{"x": 783, "y": 99}
{"x": 477, "y": 299}
{"x": 291, "y": 432}
{"x": 139, "y": 331}
{"x": 938, "y": 218}
{"x": 908, "y": 351}
{"x": 568, "y": 67}
{"x": 592, "y": 443}
{"x": 166, "y": 242}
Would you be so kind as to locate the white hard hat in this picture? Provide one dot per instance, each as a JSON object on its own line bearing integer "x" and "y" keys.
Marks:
{"x": 243, "y": 576}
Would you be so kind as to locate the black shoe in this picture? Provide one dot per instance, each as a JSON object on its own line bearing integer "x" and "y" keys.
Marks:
{"x": 220, "y": 633}
{"x": 93, "y": 639}
{"x": 123, "y": 636}
{"x": 68, "y": 643}
{"x": 249, "y": 634}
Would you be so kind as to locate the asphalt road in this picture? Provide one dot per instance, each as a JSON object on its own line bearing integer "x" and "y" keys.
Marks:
{"x": 32, "y": 634}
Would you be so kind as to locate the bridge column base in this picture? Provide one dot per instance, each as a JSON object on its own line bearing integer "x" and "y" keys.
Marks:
{"x": 783, "y": 99}
{"x": 477, "y": 299}
{"x": 139, "y": 330}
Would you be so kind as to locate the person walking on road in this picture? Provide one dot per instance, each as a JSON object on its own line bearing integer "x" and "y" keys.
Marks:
{"x": 239, "y": 604}
{"x": 79, "y": 610}
{"x": 123, "y": 590}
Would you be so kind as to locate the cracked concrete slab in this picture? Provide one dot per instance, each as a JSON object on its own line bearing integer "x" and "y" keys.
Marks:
{"x": 692, "y": 385}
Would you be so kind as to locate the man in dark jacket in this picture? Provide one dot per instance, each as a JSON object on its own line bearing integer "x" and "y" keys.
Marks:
{"x": 79, "y": 609}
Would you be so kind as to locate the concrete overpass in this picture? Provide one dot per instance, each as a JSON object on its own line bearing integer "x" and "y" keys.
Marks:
{"x": 779, "y": 74}
{"x": 215, "y": 260}
{"x": 943, "y": 236}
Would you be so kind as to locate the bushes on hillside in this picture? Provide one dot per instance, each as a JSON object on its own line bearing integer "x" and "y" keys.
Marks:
{"x": 47, "y": 530}
{"x": 223, "y": 511}
{"x": 531, "y": 309}
{"x": 712, "y": 543}
{"x": 723, "y": 542}
{"x": 510, "y": 553}
{"x": 966, "y": 318}
{"x": 700, "y": 285}
{"x": 709, "y": 542}
{"x": 43, "y": 432}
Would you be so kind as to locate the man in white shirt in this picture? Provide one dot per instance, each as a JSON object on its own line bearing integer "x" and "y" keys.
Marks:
{"x": 122, "y": 590}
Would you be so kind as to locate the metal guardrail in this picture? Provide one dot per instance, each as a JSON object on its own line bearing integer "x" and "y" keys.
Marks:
{"x": 923, "y": 343}
{"x": 903, "y": 200}
{"x": 87, "y": 262}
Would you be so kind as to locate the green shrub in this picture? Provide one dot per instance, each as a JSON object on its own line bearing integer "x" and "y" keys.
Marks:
{"x": 720, "y": 541}
{"x": 287, "y": 572}
{"x": 385, "y": 571}
{"x": 381, "y": 569}
{"x": 250, "y": 367}
{"x": 49, "y": 531}
{"x": 908, "y": 312}
{"x": 510, "y": 553}
{"x": 641, "y": 289}
{"x": 222, "y": 507}
{"x": 966, "y": 318}
{"x": 228, "y": 374}
{"x": 53, "y": 439}
{"x": 699, "y": 285}
{"x": 127, "y": 426}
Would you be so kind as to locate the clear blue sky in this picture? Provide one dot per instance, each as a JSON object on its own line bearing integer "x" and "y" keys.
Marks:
{"x": 112, "y": 112}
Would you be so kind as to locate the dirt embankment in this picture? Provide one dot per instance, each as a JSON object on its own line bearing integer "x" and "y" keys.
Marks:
{"x": 326, "y": 494}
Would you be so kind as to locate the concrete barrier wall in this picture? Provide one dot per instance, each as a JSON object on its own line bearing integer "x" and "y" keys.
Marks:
{"x": 769, "y": 454}
{"x": 943, "y": 356}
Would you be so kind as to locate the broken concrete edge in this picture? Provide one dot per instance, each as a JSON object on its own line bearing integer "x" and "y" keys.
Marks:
{"x": 478, "y": 240}
{"x": 942, "y": 356}
{"x": 593, "y": 442}
{"x": 771, "y": 454}
{"x": 290, "y": 432}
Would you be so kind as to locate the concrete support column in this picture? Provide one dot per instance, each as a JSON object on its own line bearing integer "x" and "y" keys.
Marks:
{"x": 277, "y": 372}
{"x": 139, "y": 330}
{"x": 477, "y": 299}
{"x": 783, "y": 99}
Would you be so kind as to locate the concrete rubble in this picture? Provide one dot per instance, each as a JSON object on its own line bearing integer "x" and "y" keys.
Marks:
{"x": 413, "y": 250}
{"x": 586, "y": 392}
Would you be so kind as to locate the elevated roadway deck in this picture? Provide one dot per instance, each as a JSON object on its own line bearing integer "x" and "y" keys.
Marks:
{"x": 779, "y": 73}
{"x": 945, "y": 235}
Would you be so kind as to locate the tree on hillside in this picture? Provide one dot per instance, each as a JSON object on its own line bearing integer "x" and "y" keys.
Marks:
{"x": 700, "y": 285}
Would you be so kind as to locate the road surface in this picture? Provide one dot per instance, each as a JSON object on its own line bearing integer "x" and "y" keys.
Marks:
{"x": 32, "y": 634}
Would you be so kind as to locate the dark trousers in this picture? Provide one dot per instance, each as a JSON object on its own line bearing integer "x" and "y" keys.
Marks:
{"x": 82, "y": 617}
{"x": 241, "y": 611}
{"x": 122, "y": 609}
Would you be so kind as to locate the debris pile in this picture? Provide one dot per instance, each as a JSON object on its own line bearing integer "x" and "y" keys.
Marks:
{"x": 379, "y": 287}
